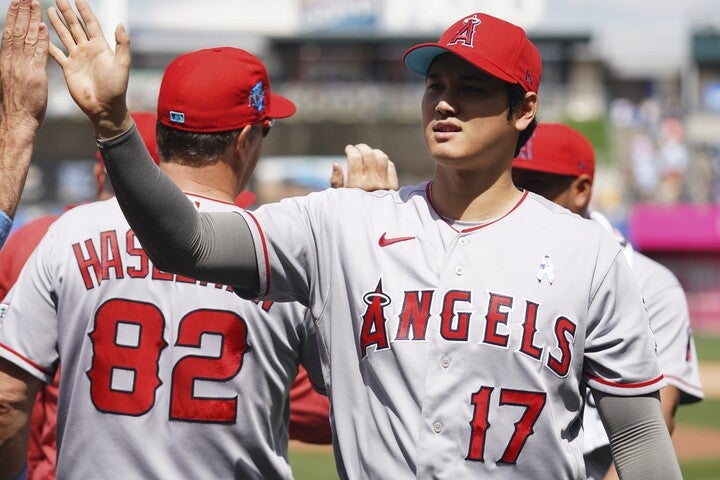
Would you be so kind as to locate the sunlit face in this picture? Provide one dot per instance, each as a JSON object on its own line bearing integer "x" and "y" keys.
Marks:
{"x": 465, "y": 115}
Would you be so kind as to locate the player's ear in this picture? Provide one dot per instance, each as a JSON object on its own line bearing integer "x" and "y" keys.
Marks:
{"x": 526, "y": 111}
{"x": 582, "y": 192}
{"x": 242, "y": 140}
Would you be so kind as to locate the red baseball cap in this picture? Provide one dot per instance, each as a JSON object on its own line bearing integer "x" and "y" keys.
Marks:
{"x": 490, "y": 44}
{"x": 145, "y": 123}
{"x": 216, "y": 90}
{"x": 558, "y": 149}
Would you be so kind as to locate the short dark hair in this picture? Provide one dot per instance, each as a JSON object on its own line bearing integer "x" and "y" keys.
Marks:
{"x": 548, "y": 185}
{"x": 516, "y": 95}
{"x": 192, "y": 148}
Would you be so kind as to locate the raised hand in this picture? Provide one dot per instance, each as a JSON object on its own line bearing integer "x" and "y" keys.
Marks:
{"x": 96, "y": 76}
{"x": 24, "y": 93}
{"x": 368, "y": 168}
{"x": 23, "y": 61}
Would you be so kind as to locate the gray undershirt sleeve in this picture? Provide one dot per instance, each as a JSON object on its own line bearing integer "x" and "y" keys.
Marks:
{"x": 215, "y": 247}
{"x": 639, "y": 438}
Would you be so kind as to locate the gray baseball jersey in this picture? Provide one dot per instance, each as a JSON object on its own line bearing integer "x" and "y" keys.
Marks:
{"x": 162, "y": 376}
{"x": 457, "y": 350}
{"x": 670, "y": 323}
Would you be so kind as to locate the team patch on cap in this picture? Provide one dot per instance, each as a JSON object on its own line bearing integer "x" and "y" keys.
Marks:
{"x": 177, "y": 117}
{"x": 257, "y": 97}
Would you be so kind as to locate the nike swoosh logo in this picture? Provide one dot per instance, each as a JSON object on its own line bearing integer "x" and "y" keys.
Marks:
{"x": 384, "y": 241}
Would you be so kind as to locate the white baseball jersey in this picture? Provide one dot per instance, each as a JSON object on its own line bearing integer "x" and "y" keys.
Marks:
{"x": 162, "y": 376}
{"x": 670, "y": 323}
{"x": 455, "y": 350}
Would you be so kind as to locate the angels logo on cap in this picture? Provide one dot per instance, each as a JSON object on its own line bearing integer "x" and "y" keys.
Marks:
{"x": 466, "y": 35}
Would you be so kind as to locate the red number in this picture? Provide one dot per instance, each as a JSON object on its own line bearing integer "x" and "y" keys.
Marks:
{"x": 127, "y": 342}
{"x": 183, "y": 405}
{"x": 139, "y": 360}
{"x": 533, "y": 403}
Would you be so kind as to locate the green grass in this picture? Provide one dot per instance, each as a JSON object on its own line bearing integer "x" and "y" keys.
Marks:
{"x": 321, "y": 466}
{"x": 702, "y": 414}
{"x": 708, "y": 347}
{"x": 312, "y": 465}
{"x": 701, "y": 469}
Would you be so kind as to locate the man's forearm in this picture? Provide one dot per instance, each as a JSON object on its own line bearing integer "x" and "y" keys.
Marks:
{"x": 16, "y": 147}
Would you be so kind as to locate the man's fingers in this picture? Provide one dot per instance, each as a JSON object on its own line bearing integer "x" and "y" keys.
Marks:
{"x": 381, "y": 162}
{"x": 354, "y": 160}
{"x": 393, "y": 182}
{"x": 31, "y": 36}
{"x": 122, "y": 46}
{"x": 43, "y": 42}
{"x": 92, "y": 26}
{"x": 10, "y": 20}
{"x": 337, "y": 178}
{"x": 57, "y": 54}
{"x": 76, "y": 29}
{"x": 62, "y": 32}
{"x": 21, "y": 22}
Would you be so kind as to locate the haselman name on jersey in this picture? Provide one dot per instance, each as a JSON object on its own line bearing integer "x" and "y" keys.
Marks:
{"x": 100, "y": 259}
{"x": 454, "y": 325}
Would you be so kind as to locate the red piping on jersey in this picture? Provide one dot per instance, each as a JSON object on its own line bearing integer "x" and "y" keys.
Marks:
{"x": 209, "y": 198}
{"x": 265, "y": 253}
{"x": 428, "y": 189}
{"x": 627, "y": 385}
{"x": 23, "y": 357}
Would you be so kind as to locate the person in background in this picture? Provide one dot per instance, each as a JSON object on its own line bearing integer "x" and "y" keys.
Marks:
{"x": 23, "y": 58}
{"x": 558, "y": 162}
{"x": 42, "y": 447}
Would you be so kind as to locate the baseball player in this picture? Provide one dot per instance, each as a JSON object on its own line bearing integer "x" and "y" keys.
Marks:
{"x": 459, "y": 319}
{"x": 42, "y": 448}
{"x": 23, "y": 58}
{"x": 558, "y": 163}
{"x": 163, "y": 376}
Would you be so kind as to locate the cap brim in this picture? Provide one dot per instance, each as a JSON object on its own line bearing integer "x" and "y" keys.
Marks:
{"x": 280, "y": 107}
{"x": 419, "y": 58}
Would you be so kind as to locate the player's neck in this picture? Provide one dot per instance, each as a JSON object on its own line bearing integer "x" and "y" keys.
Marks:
{"x": 212, "y": 181}
{"x": 472, "y": 198}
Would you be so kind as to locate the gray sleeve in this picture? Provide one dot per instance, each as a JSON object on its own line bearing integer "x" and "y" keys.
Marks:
{"x": 639, "y": 438}
{"x": 215, "y": 247}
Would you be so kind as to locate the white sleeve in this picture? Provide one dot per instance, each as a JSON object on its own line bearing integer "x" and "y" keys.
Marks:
{"x": 28, "y": 320}
{"x": 620, "y": 355}
{"x": 670, "y": 324}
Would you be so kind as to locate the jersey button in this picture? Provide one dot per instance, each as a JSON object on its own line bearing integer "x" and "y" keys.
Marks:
{"x": 459, "y": 270}
{"x": 445, "y": 362}
{"x": 463, "y": 241}
{"x": 437, "y": 427}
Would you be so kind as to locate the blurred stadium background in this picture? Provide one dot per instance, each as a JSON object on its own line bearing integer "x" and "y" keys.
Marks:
{"x": 640, "y": 79}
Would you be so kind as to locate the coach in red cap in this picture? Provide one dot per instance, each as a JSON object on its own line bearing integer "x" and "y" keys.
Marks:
{"x": 163, "y": 376}
{"x": 461, "y": 320}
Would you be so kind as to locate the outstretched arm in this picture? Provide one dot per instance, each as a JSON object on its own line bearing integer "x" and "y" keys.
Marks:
{"x": 24, "y": 91}
{"x": 211, "y": 247}
{"x": 639, "y": 439}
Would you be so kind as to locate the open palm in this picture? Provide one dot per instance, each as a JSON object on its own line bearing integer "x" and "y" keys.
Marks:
{"x": 96, "y": 76}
